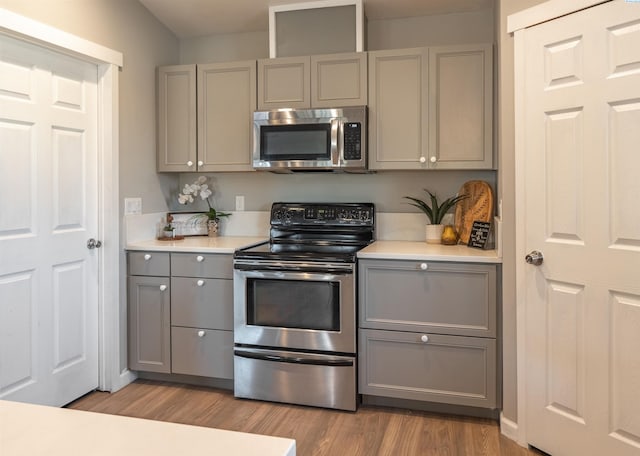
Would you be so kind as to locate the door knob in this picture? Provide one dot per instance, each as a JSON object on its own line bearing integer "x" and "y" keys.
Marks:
{"x": 535, "y": 258}
{"x": 93, "y": 244}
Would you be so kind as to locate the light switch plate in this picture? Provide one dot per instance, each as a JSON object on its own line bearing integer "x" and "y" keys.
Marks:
{"x": 239, "y": 203}
{"x": 132, "y": 206}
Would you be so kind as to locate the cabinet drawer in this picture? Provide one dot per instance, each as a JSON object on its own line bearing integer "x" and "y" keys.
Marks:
{"x": 202, "y": 303}
{"x": 435, "y": 297}
{"x": 208, "y": 353}
{"x": 212, "y": 265}
{"x": 448, "y": 369}
{"x": 148, "y": 263}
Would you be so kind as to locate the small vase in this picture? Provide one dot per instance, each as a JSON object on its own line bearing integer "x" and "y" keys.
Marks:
{"x": 212, "y": 228}
{"x": 449, "y": 235}
{"x": 434, "y": 234}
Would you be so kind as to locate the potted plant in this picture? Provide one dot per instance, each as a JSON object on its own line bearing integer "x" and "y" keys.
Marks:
{"x": 201, "y": 189}
{"x": 435, "y": 213}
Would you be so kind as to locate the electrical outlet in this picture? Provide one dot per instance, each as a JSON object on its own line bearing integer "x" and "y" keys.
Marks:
{"x": 239, "y": 203}
{"x": 132, "y": 206}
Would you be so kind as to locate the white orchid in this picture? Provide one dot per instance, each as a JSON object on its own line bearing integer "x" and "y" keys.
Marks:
{"x": 200, "y": 188}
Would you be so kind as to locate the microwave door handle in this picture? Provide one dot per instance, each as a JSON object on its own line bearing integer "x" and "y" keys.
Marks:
{"x": 293, "y": 359}
{"x": 336, "y": 140}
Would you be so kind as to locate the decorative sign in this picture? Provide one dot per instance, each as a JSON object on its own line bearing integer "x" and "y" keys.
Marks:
{"x": 189, "y": 223}
{"x": 479, "y": 234}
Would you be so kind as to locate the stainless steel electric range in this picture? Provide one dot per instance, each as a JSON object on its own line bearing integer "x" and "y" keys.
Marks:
{"x": 295, "y": 306}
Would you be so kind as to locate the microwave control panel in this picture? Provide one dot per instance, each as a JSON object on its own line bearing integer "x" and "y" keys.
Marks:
{"x": 352, "y": 141}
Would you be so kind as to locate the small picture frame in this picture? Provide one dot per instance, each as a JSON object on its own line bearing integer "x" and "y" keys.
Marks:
{"x": 188, "y": 223}
{"x": 479, "y": 234}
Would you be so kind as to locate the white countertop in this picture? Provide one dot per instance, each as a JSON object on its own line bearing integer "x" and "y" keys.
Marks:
{"x": 36, "y": 430}
{"x": 199, "y": 244}
{"x": 421, "y": 251}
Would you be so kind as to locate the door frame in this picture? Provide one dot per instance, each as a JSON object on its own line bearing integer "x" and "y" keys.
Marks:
{"x": 111, "y": 376}
{"x": 516, "y": 25}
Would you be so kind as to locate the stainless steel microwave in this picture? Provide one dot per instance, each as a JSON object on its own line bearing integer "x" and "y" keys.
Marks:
{"x": 310, "y": 139}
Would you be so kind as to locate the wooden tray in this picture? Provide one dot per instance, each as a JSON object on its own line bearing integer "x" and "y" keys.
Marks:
{"x": 479, "y": 206}
{"x": 175, "y": 238}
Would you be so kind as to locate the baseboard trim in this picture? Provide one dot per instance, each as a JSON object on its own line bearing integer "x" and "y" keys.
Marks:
{"x": 509, "y": 429}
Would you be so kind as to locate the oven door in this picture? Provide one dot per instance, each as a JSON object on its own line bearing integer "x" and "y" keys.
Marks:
{"x": 295, "y": 306}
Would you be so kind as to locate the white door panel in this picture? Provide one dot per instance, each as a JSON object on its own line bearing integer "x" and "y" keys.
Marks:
{"x": 48, "y": 196}
{"x": 582, "y": 190}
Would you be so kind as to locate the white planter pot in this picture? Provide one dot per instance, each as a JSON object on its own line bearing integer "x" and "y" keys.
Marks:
{"x": 434, "y": 234}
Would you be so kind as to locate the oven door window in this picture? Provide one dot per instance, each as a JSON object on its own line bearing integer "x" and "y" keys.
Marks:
{"x": 299, "y": 304}
{"x": 295, "y": 142}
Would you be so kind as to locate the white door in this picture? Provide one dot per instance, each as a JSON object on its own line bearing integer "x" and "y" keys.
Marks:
{"x": 48, "y": 211}
{"x": 582, "y": 191}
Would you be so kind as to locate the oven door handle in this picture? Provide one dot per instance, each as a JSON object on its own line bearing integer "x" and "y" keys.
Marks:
{"x": 294, "y": 267}
{"x": 293, "y": 359}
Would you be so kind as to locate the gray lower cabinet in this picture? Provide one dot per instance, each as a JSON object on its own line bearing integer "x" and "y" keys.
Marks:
{"x": 427, "y": 331}
{"x": 192, "y": 329}
{"x": 149, "y": 312}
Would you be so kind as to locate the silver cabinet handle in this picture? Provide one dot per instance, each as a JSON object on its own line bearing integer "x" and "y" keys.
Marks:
{"x": 201, "y": 333}
{"x": 147, "y": 257}
{"x": 200, "y": 163}
{"x": 423, "y": 159}
{"x": 434, "y": 159}
{"x": 189, "y": 163}
{"x": 163, "y": 287}
{"x": 93, "y": 244}
{"x": 535, "y": 258}
{"x": 200, "y": 283}
{"x": 199, "y": 258}
{"x": 424, "y": 266}
{"x": 424, "y": 338}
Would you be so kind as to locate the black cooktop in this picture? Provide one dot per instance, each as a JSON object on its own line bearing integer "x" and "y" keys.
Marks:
{"x": 315, "y": 232}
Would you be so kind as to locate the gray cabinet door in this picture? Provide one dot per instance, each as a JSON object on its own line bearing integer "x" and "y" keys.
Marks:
{"x": 284, "y": 83}
{"x": 212, "y": 265}
{"x": 149, "y": 323}
{"x": 427, "y": 367}
{"x": 204, "y": 352}
{"x": 202, "y": 303}
{"x": 461, "y": 107}
{"x": 177, "y": 118}
{"x": 398, "y": 109}
{"x": 148, "y": 263}
{"x": 226, "y": 101}
{"x": 435, "y": 297}
{"x": 339, "y": 80}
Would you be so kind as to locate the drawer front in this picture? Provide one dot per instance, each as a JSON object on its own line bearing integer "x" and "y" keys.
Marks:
{"x": 443, "y": 298}
{"x": 203, "y": 352}
{"x": 446, "y": 369}
{"x": 148, "y": 263}
{"x": 202, "y": 303}
{"x": 218, "y": 266}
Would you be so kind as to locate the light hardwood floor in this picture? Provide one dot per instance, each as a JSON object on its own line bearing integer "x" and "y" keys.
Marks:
{"x": 367, "y": 432}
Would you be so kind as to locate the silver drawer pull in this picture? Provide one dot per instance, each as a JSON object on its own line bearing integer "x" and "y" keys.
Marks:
{"x": 424, "y": 266}
{"x": 424, "y": 338}
{"x": 163, "y": 287}
{"x": 199, "y": 258}
{"x": 200, "y": 283}
{"x": 201, "y": 333}
{"x": 147, "y": 257}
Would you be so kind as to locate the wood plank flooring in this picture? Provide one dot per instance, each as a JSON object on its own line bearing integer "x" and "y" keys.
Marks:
{"x": 367, "y": 432}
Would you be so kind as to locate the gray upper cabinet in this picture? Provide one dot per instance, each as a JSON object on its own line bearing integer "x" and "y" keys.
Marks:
{"x": 398, "y": 109}
{"x": 339, "y": 80}
{"x": 460, "y": 107}
{"x": 205, "y": 117}
{"x": 226, "y": 101}
{"x": 177, "y": 143}
{"x": 319, "y": 81}
{"x": 431, "y": 108}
